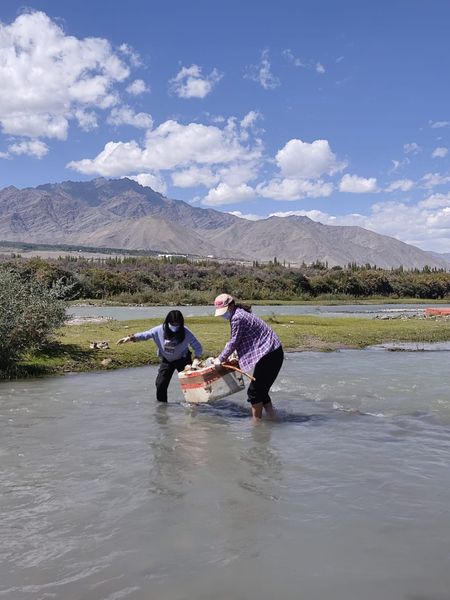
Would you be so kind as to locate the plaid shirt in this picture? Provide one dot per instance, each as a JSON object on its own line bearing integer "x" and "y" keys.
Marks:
{"x": 251, "y": 338}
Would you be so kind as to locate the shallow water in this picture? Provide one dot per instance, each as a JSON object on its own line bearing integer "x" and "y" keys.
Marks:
{"x": 106, "y": 495}
{"x": 124, "y": 313}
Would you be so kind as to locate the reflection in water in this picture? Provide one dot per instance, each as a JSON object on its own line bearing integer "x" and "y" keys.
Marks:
{"x": 168, "y": 462}
{"x": 264, "y": 463}
{"x": 107, "y": 494}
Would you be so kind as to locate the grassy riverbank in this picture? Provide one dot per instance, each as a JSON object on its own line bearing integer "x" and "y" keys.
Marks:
{"x": 71, "y": 352}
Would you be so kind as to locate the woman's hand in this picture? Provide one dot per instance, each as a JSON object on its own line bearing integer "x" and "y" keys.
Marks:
{"x": 124, "y": 340}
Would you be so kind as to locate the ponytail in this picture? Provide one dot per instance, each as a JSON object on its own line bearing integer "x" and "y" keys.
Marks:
{"x": 245, "y": 307}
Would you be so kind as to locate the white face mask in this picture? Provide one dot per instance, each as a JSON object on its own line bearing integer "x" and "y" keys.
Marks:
{"x": 226, "y": 315}
{"x": 174, "y": 328}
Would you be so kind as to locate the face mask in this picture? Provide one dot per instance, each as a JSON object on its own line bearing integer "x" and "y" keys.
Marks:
{"x": 226, "y": 315}
{"x": 174, "y": 328}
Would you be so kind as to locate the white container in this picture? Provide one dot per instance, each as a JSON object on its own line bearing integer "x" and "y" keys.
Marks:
{"x": 209, "y": 384}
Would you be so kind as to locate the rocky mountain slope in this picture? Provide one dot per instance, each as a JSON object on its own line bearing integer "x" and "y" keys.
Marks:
{"x": 122, "y": 214}
{"x": 299, "y": 239}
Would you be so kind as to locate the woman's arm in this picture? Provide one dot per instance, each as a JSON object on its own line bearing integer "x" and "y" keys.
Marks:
{"x": 230, "y": 346}
{"x": 126, "y": 339}
{"x": 194, "y": 343}
{"x": 138, "y": 337}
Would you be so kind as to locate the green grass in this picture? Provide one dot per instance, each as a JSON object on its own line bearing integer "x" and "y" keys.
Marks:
{"x": 71, "y": 351}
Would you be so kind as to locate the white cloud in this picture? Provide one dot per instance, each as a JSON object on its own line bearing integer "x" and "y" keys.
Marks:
{"x": 48, "y": 76}
{"x": 194, "y": 176}
{"x": 234, "y": 174}
{"x": 402, "y": 185}
{"x": 34, "y": 125}
{"x": 396, "y": 164}
{"x": 431, "y": 180}
{"x": 136, "y": 87}
{"x": 320, "y": 68}
{"x": 87, "y": 121}
{"x": 426, "y": 226}
{"x": 131, "y": 54}
{"x": 250, "y": 119}
{"x": 191, "y": 83}
{"x": 34, "y": 148}
{"x": 239, "y": 172}
{"x": 438, "y": 124}
{"x": 124, "y": 115}
{"x": 297, "y": 62}
{"x": 315, "y": 215}
{"x": 247, "y": 216}
{"x": 262, "y": 73}
{"x": 226, "y": 194}
{"x": 440, "y": 152}
{"x": 310, "y": 160}
{"x": 436, "y": 201}
{"x": 440, "y": 222}
{"x": 156, "y": 182}
{"x": 301, "y": 166}
{"x": 294, "y": 189}
{"x": 411, "y": 148}
{"x": 358, "y": 185}
{"x": 171, "y": 146}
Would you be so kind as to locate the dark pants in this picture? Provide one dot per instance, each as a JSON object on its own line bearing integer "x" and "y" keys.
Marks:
{"x": 165, "y": 372}
{"x": 265, "y": 372}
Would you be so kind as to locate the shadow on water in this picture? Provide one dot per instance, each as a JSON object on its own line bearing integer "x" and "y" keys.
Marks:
{"x": 232, "y": 410}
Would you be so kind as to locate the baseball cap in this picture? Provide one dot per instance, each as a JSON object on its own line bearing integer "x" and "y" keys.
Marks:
{"x": 221, "y": 304}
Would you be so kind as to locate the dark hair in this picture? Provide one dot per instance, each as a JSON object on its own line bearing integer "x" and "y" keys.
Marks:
{"x": 245, "y": 307}
{"x": 174, "y": 316}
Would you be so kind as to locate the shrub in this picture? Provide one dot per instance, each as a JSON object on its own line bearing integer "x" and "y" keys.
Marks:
{"x": 29, "y": 314}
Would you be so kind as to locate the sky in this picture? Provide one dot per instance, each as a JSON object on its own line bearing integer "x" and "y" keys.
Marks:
{"x": 338, "y": 110}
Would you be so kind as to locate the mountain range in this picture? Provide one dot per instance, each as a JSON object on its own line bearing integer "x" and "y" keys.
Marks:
{"x": 120, "y": 213}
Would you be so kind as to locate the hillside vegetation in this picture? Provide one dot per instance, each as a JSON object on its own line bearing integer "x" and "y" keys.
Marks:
{"x": 148, "y": 280}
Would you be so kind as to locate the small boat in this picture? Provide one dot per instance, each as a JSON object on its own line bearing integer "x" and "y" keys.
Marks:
{"x": 437, "y": 312}
{"x": 209, "y": 383}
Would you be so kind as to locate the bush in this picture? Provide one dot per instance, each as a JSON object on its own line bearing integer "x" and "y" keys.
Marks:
{"x": 29, "y": 314}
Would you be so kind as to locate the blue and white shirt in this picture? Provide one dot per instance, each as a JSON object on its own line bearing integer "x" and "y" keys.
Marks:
{"x": 171, "y": 349}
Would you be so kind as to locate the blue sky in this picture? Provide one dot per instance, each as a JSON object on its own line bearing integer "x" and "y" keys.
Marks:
{"x": 338, "y": 110}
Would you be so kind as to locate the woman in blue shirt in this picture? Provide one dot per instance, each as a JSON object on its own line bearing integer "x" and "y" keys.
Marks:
{"x": 172, "y": 339}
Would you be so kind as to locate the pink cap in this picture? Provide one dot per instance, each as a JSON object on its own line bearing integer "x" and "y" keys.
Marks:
{"x": 221, "y": 304}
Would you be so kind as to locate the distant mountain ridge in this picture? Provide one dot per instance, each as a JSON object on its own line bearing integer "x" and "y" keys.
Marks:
{"x": 120, "y": 213}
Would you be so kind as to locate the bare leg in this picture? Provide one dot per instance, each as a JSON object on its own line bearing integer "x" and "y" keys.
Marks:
{"x": 270, "y": 411}
{"x": 257, "y": 410}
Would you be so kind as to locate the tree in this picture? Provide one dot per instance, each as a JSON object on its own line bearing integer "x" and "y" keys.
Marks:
{"x": 29, "y": 314}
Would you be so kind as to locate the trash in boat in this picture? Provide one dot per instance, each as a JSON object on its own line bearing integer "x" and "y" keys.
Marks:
{"x": 208, "y": 383}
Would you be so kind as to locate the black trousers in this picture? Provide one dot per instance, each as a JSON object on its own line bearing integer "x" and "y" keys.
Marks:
{"x": 165, "y": 372}
{"x": 265, "y": 372}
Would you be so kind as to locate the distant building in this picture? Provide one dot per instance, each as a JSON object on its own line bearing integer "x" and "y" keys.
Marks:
{"x": 172, "y": 255}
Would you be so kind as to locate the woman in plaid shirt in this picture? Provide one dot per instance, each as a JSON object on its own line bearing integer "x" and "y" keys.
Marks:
{"x": 257, "y": 346}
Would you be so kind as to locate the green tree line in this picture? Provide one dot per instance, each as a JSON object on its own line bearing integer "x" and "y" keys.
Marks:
{"x": 173, "y": 280}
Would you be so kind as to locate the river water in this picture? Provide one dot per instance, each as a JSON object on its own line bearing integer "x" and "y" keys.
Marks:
{"x": 126, "y": 313}
{"x": 106, "y": 495}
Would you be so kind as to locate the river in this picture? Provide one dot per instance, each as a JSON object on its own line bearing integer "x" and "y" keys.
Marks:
{"x": 126, "y": 313}
{"x": 106, "y": 495}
